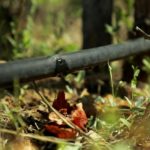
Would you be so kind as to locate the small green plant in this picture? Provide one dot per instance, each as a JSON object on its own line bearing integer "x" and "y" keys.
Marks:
{"x": 146, "y": 62}
{"x": 14, "y": 116}
{"x": 136, "y": 73}
{"x": 111, "y": 79}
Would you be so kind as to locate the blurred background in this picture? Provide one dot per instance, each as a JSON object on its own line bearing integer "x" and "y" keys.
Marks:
{"x": 44, "y": 27}
{"x": 39, "y": 27}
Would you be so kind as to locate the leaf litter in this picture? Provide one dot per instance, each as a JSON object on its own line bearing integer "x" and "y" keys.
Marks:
{"x": 83, "y": 120}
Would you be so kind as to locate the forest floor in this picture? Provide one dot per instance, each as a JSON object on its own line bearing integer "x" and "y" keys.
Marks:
{"x": 62, "y": 114}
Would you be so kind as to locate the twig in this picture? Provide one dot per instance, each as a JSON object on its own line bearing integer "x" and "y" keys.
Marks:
{"x": 38, "y": 137}
{"x": 146, "y": 36}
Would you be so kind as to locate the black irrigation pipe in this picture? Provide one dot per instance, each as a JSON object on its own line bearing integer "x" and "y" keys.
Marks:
{"x": 37, "y": 68}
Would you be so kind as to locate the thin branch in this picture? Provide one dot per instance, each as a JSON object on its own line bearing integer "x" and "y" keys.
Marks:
{"x": 146, "y": 36}
{"x": 38, "y": 137}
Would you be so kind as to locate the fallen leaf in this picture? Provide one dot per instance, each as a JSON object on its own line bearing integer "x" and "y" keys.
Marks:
{"x": 61, "y": 103}
{"x": 79, "y": 117}
{"x": 75, "y": 114}
{"x": 54, "y": 118}
{"x": 61, "y": 132}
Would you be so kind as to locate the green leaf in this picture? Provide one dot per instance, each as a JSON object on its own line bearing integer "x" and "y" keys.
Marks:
{"x": 125, "y": 122}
